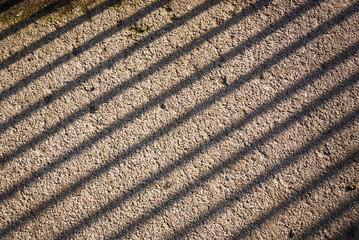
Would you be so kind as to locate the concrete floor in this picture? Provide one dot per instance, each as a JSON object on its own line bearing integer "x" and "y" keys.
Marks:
{"x": 140, "y": 119}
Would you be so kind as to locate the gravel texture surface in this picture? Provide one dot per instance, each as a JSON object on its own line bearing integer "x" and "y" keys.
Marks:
{"x": 206, "y": 119}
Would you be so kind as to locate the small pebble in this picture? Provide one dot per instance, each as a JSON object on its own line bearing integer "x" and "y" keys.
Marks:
{"x": 89, "y": 88}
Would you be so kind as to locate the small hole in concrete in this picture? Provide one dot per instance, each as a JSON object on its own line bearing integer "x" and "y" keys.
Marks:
{"x": 76, "y": 51}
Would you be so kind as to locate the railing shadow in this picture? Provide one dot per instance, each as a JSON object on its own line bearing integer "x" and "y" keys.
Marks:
{"x": 99, "y": 171}
{"x": 66, "y": 57}
{"x": 8, "y": 4}
{"x": 348, "y": 233}
{"x": 199, "y": 108}
{"x": 224, "y": 58}
{"x": 139, "y": 77}
{"x": 280, "y": 97}
{"x": 216, "y": 138}
{"x": 351, "y": 232}
{"x": 81, "y": 147}
{"x": 41, "y": 13}
{"x": 106, "y": 64}
{"x": 314, "y": 184}
{"x": 229, "y": 162}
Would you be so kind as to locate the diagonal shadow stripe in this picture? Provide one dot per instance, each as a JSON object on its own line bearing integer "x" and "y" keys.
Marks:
{"x": 217, "y": 138}
{"x": 236, "y": 84}
{"x": 332, "y": 216}
{"x": 350, "y": 232}
{"x": 229, "y": 162}
{"x": 119, "y": 88}
{"x": 47, "y": 10}
{"x": 8, "y": 4}
{"x": 98, "y": 38}
{"x": 315, "y": 184}
{"x": 150, "y": 139}
{"x": 52, "y": 7}
{"x": 99, "y": 171}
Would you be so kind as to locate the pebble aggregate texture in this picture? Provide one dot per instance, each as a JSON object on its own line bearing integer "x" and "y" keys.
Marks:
{"x": 206, "y": 119}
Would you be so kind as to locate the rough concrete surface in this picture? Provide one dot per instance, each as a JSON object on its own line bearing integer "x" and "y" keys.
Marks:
{"x": 160, "y": 119}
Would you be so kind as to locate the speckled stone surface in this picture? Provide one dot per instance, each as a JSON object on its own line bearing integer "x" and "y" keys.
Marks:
{"x": 178, "y": 119}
